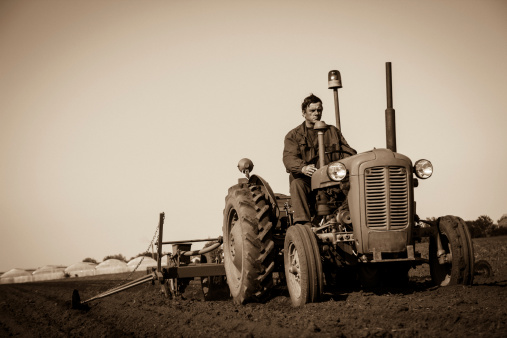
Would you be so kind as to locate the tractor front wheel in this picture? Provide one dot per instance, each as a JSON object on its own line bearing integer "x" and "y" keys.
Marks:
{"x": 455, "y": 263}
{"x": 303, "y": 265}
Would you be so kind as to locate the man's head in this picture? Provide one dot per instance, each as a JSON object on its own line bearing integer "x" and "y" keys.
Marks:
{"x": 312, "y": 110}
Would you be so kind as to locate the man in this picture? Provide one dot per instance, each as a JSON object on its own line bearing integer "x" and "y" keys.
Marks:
{"x": 301, "y": 156}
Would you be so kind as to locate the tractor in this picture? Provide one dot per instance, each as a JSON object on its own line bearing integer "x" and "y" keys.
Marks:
{"x": 365, "y": 238}
{"x": 368, "y": 237}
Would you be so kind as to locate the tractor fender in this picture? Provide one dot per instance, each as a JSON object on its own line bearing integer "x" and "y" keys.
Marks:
{"x": 256, "y": 179}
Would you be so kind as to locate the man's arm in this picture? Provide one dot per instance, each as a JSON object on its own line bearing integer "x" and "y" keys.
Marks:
{"x": 292, "y": 158}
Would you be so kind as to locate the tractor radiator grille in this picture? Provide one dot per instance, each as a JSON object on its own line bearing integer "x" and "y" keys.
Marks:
{"x": 386, "y": 197}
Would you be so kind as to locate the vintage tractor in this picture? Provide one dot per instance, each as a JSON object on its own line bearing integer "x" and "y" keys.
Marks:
{"x": 370, "y": 240}
{"x": 367, "y": 237}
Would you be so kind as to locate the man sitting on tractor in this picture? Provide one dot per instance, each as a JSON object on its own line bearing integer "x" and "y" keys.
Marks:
{"x": 301, "y": 156}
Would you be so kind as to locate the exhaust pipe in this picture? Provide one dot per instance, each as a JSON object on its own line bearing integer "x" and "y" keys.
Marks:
{"x": 390, "y": 114}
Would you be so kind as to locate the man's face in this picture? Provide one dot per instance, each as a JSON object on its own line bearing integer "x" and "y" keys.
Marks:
{"x": 313, "y": 113}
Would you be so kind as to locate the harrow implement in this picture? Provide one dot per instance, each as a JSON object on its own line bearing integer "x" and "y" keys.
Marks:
{"x": 176, "y": 275}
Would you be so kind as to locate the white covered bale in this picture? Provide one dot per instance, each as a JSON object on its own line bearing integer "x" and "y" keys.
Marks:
{"x": 146, "y": 262}
{"x": 81, "y": 269}
{"x": 48, "y": 272}
{"x": 16, "y": 276}
{"x": 111, "y": 266}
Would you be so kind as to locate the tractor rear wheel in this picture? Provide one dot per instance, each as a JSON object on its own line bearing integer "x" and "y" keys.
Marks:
{"x": 303, "y": 265}
{"x": 457, "y": 245}
{"x": 249, "y": 255}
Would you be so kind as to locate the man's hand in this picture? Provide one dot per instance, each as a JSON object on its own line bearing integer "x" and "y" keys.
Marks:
{"x": 308, "y": 170}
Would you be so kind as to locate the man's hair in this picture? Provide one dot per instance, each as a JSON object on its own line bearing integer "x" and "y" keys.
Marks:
{"x": 309, "y": 100}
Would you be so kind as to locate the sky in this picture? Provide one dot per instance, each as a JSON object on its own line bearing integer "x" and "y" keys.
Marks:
{"x": 112, "y": 112}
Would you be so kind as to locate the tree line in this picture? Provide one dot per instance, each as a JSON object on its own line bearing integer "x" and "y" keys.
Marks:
{"x": 484, "y": 226}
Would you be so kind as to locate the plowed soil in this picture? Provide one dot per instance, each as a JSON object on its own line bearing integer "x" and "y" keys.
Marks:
{"x": 44, "y": 309}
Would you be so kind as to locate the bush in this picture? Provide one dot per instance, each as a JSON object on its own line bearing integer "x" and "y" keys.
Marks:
{"x": 483, "y": 226}
{"x": 146, "y": 254}
{"x": 90, "y": 260}
{"x": 499, "y": 231}
{"x": 119, "y": 257}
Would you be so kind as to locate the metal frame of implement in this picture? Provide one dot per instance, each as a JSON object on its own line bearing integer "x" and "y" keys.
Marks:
{"x": 178, "y": 267}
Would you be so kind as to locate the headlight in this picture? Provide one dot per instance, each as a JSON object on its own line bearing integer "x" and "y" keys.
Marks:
{"x": 423, "y": 169}
{"x": 336, "y": 171}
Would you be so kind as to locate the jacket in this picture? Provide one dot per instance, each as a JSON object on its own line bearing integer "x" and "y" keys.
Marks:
{"x": 301, "y": 148}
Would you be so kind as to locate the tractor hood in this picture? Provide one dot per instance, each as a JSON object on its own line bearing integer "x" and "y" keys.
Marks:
{"x": 320, "y": 178}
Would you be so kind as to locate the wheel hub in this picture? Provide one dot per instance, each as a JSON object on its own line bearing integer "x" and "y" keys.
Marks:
{"x": 236, "y": 246}
{"x": 294, "y": 270}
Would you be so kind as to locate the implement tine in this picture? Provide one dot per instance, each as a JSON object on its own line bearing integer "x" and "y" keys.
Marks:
{"x": 120, "y": 288}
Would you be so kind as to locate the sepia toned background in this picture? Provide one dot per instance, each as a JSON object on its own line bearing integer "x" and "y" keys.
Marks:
{"x": 114, "y": 111}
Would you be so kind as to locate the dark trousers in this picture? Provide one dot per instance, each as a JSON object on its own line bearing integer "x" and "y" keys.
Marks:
{"x": 300, "y": 189}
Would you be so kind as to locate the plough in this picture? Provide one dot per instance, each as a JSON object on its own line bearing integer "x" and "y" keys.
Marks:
{"x": 176, "y": 275}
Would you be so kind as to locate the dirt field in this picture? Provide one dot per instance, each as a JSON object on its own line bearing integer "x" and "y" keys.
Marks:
{"x": 44, "y": 309}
